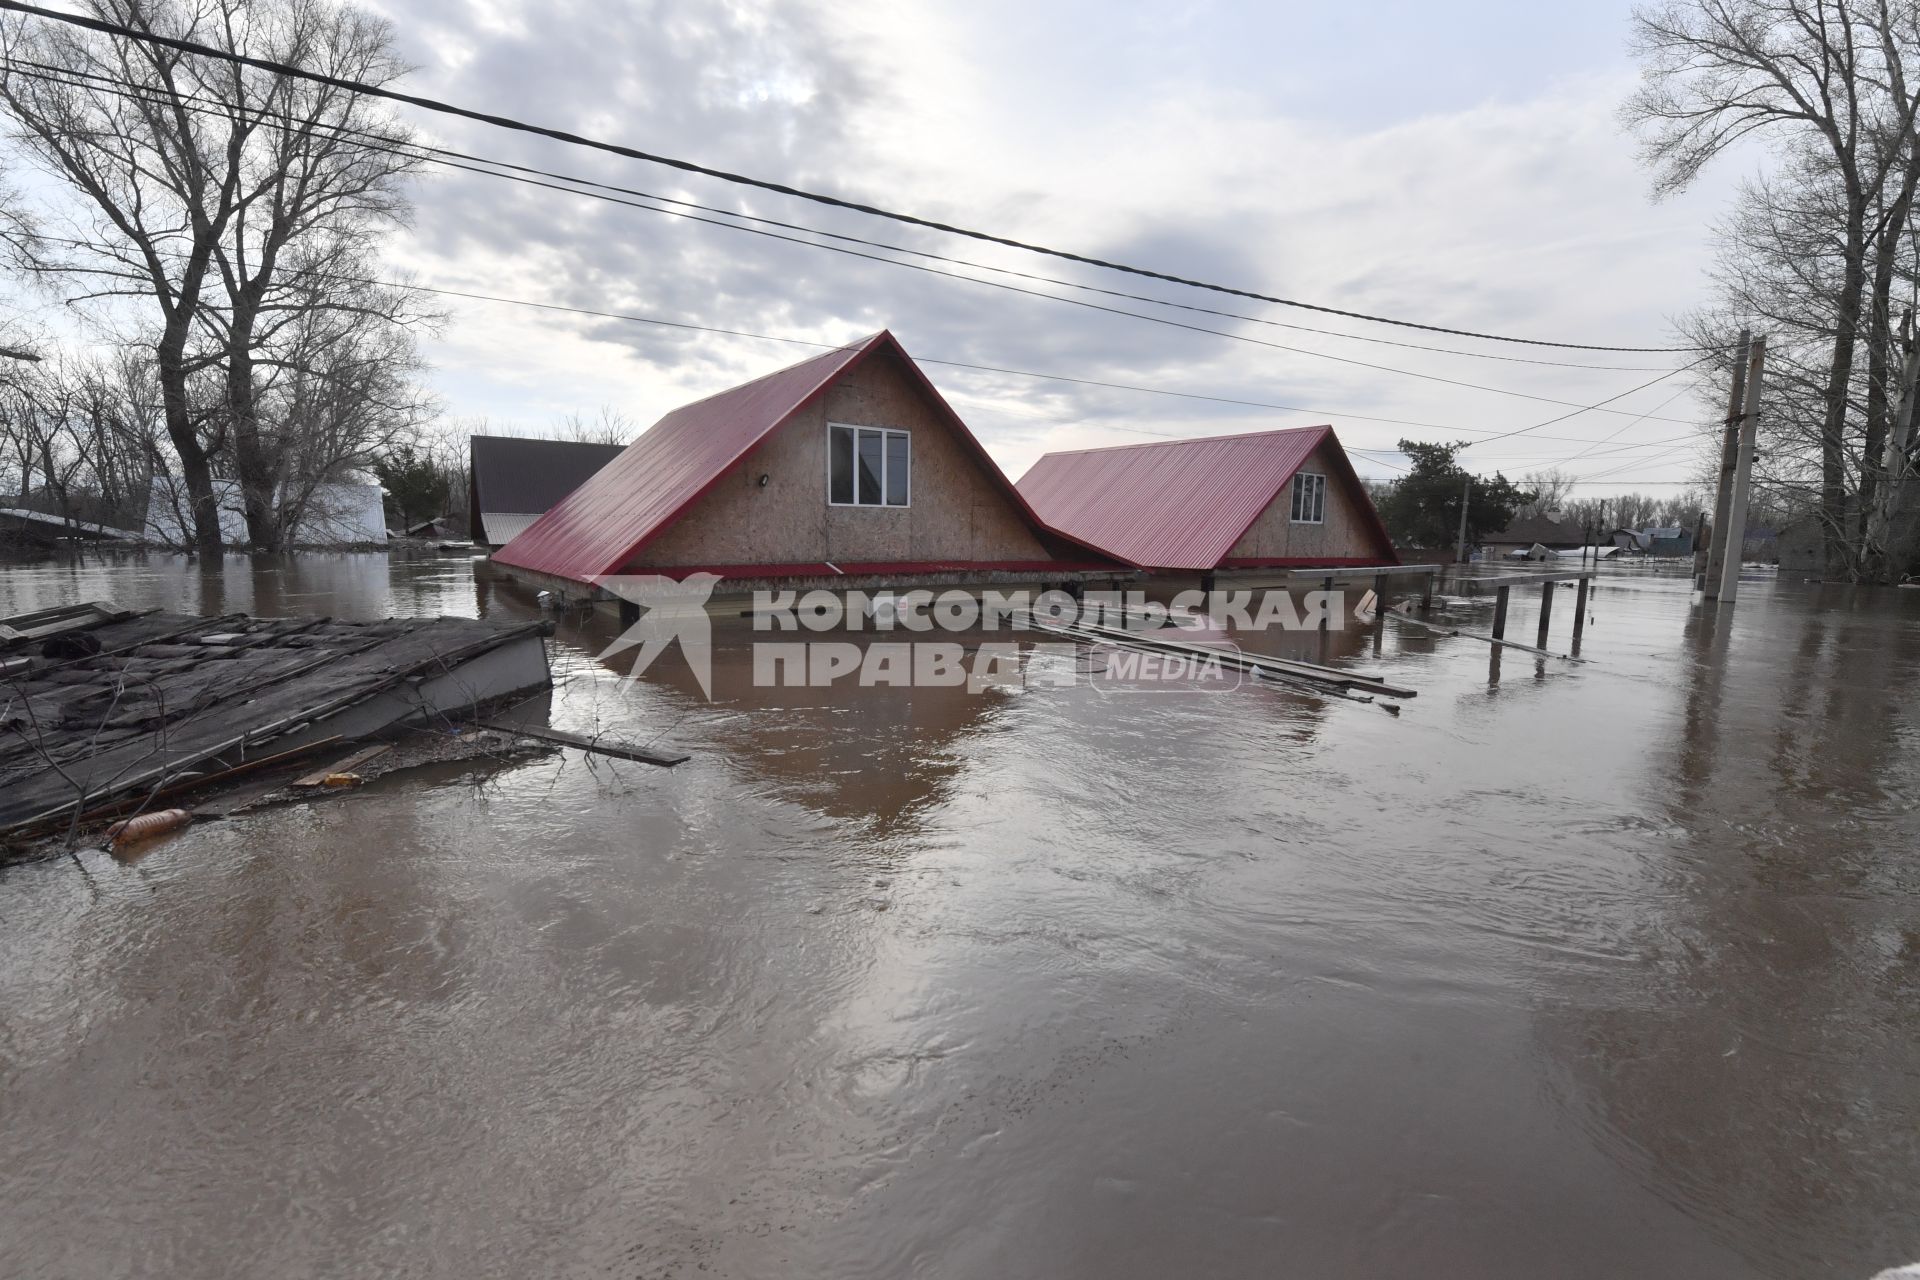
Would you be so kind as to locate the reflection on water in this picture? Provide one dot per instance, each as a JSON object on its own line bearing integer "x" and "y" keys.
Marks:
{"x": 355, "y": 585}
{"x": 1603, "y": 970}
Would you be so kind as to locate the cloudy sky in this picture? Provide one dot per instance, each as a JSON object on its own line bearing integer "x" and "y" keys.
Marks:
{"x": 1460, "y": 165}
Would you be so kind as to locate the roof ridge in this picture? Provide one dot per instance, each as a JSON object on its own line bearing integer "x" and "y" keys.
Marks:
{"x": 590, "y": 444}
{"x": 844, "y": 347}
{"x": 1151, "y": 444}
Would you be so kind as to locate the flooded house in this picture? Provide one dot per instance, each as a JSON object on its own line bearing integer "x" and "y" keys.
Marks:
{"x": 513, "y": 481}
{"x": 331, "y": 515}
{"x": 846, "y": 470}
{"x": 1668, "y": 541}
{"x": 1549, "y": 530}
{"x": 1262, "y": 500}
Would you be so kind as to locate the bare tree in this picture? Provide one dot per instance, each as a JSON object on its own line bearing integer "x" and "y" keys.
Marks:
{"x": 79, "y": 438}
{"x": 324, "y": 178}
{"x": 610, "y": 426}
{"x": 233, "y": 200}
{"x": 1825, "y": 80}
{"x": 158, "y": 184}
{"x": 343, "y": 396}
{"x": 1550, "y": 489}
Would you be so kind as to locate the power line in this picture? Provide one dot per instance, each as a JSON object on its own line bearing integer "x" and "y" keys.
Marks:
{"x": 507, "y": 122}
{"x": 1630, "y": 464}
{"x": 1074, "y": 302}
{"x": 630, "y": 318}
{"x": 1505, "y": 435}
{"x": 451, "y": 159}
{"x": 1627, "y": 426}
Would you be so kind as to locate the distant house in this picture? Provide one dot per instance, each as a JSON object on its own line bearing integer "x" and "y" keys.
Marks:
{"x": 1670, "y": 541}
{"x": 1802, "y": 548}
{"x": 512, "y": 482}
{"x": 1265, "y": 499}
{"x": 847, "y": 469}
{"x": 336, "y": 514}
{"x": 1552, "y": 530}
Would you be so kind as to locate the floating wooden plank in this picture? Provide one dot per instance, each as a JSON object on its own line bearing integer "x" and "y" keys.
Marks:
{"x": 46, "y": 623}
{"x": 600, "y": 746}
{"x": 318, "y": 778}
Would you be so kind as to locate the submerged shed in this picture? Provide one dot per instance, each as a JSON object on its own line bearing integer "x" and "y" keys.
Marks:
{"x": 847, "y": 468}
{"x": 336, "y": 513}
{"x": 1266, "y": 499}
{"x": 512, "y": 481}
{"x": 102, "y": 705}
{"x": 1553, "y": 530}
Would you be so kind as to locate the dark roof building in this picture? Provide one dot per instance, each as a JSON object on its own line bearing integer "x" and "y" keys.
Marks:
{"x": 1554, "y": 532}
{"x": 512, "y": 481}
{"x": 848, "y": 465}
{"x": 1267, "y": 499}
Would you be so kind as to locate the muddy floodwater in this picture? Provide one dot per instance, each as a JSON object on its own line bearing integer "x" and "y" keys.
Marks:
{"x": 1603, "y": 970}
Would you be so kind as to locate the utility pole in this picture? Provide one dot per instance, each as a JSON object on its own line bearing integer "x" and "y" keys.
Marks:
{"x": 1743, "y": 474}
{"x": 1466, "y": 496}
{"x": 1709, "y": 581}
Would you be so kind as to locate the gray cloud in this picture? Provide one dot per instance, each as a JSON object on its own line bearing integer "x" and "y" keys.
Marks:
{"x": 1522, "y": 217}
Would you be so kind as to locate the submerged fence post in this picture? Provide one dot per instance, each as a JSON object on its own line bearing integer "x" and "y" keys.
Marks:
{"x": 1546, "y": 610}
{"x": 1580, "y": 611}
{"x": 1500, "y": 614}
{"x": 1379, "y": 613}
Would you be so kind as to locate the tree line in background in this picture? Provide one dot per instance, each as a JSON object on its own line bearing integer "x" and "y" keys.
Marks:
{"x": 1821, "y": 255}
{"x": 1423, "y": 507}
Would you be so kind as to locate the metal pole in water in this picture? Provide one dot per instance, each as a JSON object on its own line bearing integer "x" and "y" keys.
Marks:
{"x": 1709, "y": 582}
{"x": 1466, "y": 499}
{"x": 1743, "y": 473}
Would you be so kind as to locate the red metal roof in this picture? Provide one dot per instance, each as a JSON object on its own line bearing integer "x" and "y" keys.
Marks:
{"x": 598, "y": 528}
{"x": 1181, "y": 504}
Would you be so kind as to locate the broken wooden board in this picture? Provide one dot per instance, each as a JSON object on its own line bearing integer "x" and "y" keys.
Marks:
{"x": 601, "y": 746}
{"x": 318, "y": 778}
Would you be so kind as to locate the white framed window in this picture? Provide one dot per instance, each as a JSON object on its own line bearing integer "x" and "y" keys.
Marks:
{"x": 1309, "y": 498}
{"x": 868, "y": 467}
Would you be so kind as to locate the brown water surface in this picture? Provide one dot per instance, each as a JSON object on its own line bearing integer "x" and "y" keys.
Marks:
{"x": 1609, "y": 970}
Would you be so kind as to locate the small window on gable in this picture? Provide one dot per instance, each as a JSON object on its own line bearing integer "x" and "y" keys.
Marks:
{"x": 868, "y": 466}
{"x": 1309, "y": 498}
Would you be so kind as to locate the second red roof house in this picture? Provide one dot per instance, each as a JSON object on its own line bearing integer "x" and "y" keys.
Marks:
{"x": 1267, "y": 499}
{"x": 846, "y": 469}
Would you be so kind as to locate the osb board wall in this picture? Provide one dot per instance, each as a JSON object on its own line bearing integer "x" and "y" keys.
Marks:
{"x": 958, "y": 512}
{"x": 1345, "y": 534}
